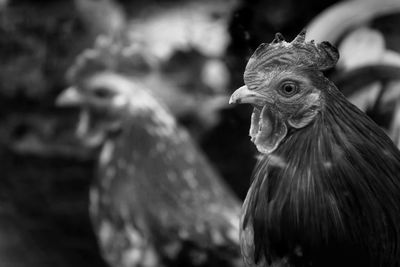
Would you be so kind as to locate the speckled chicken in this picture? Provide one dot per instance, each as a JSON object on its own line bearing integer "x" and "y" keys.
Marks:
{"x": 156, "y": 200}
{"x": 326, "y": 190}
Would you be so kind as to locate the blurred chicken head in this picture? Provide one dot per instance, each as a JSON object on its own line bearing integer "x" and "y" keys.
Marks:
{"x": 103, "y": 100}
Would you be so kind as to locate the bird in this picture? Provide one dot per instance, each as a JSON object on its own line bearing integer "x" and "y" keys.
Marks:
{"x": 326, "y": 187}
{"x": 156, "y": 199}
{"x": 196, "y": 103}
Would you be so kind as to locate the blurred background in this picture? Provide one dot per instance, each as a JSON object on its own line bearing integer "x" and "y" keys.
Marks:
{"x": 195, "y": 53}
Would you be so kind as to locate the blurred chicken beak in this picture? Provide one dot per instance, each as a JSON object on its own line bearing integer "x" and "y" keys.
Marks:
{"x": 244, "y": 95}
{"x": 70, "y": 97}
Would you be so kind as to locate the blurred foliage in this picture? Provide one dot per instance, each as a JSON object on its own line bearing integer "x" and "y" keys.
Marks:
{"x": 368, "y": 70}
{"x": 38, "y": 43}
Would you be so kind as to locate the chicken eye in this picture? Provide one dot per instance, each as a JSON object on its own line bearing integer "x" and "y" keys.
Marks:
{"x": 102, "y": 92}
{"x": 288, "y": 89}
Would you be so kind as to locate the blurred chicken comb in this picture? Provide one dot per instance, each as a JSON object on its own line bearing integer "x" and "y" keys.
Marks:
{"x": 111, "y": 54}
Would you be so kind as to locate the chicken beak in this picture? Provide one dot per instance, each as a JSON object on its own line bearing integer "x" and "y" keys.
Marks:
{"x": 267, "y": 128}
{"x": 70, "y": 97}
{"x": 244, "y": 95}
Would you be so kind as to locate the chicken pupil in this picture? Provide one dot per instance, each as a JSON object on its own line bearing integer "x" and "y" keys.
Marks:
{"x": 288, "y": 88}
{"x": 102, "y": 92}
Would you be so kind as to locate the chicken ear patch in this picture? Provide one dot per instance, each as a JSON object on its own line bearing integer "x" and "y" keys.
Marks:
{"x": 267, "y": 129}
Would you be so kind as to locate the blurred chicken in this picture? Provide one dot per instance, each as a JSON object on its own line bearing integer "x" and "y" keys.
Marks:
{"x": 185, "y": 43}
{"x": 156, "y": 201}
{"x": 179, "y": 82}
{"x": 326, "y": 191}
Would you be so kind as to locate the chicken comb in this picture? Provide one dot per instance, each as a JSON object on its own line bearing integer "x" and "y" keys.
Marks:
{"x": 110, "y": 54}
{"x": 299, "y": 52}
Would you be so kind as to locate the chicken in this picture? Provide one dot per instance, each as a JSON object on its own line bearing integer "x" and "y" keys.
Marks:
{"x": 326, "y": 190}
{"x": 156, "y": 200}
{"x": 182, "y": 81}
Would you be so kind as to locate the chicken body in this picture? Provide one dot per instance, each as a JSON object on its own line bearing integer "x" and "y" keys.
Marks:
{"x": 326, "y": 191}
{"x": 156, "y": 201}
